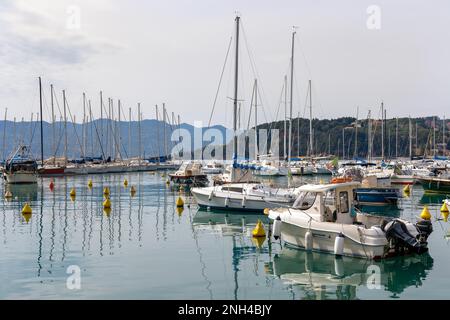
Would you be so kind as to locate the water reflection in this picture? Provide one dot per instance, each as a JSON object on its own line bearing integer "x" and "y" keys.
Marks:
{"x": 433, "y": 198}
{"x": 324, "y": 276}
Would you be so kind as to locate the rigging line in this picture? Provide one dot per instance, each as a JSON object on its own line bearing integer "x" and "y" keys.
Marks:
{"x": 263, "y": 97}
{"x": 220, "y": 81}
{"x": 98, "y": 136}
{"x": 113, "y": 133}
{"x": 250, "y": 111}
{"x": 74, "y": 128}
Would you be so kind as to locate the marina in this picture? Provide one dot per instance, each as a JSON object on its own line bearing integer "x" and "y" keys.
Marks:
{"x": 229, "y": 156}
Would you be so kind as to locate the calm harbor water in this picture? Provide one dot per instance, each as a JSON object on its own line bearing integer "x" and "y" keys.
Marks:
{"x": 147, "y": 249}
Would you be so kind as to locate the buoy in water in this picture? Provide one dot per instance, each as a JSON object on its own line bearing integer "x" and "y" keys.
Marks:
{"x": 425, "y": 214}
{"x": 180, "y": 202}
{"x": 51, "y": 185}
{"x": 445, "y": 215}
{"x": 73, "y": 193}
{"x": 276, "y": 229}
{"x": 125, "y": 183}
{"x": 258, "y": 241}
{"x": 407, "y": 189}
{"x": 132, "y": 191}
{"x": 180, "y": 211}
{"x": 339, "y": 244}
{"x": 8, "y": 194}
{"x": 27, "y": 216}
{"x": 90, "y": 184}
{"x": 106, "y": 191}
{"x": 259, "y": 230}
{"x": 444, "y": 207}
{"x": 107, "y": 211}
{"x": 107, "y": 204}
{"x": 27, "y": 209}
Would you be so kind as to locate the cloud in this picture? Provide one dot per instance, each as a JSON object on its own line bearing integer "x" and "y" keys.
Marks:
{"x": 30, "y": 36}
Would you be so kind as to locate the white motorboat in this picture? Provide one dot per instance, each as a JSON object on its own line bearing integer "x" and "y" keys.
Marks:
{"x": 269, "y": 168}
{"x": 21, "y": 168}
{"x": 244, "y": 197}
{"x": 213, "y": 168}
{"x": 323, "y": 218}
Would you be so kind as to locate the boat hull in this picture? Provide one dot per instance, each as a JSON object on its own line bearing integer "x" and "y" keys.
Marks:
{"x": 20, "y": 178}
{"x": 435, "y": 185}
{"x": 380, "y": 196}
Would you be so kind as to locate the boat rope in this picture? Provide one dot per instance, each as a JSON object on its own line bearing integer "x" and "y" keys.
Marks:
{"x": 220, "y": 83}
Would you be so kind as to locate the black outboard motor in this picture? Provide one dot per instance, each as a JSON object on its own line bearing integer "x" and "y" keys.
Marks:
{"x": 425, "y": 228}
{"x": 401, "y": 239}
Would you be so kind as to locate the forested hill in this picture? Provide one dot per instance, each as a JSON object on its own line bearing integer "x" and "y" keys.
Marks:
{"x": 328, "y": 136}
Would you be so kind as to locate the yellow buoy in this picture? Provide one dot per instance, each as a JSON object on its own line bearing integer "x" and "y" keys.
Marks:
{"x": 27, "y": 209}
{"x": 167, "y": 182}
{"x": 444, "y": 207}
{"x": 445, "y": 215}
{"x": 259, "y": 230}
{"x": 8, "y": 194}
{"x": 27, "y": 216}
{"x": 132, "y": 190}
{"x": 407, "y": 189}
{"x": 258, "y": 241}
{"x": 73, "y": 193}
{"x": 425, "y": 214}
{"x": 106, "y": 191}
{"x": 72, "y": 198}
{"x": 107, "y": 204}
{"x": 180, "y": 211}
{"x": 90, "y": 184}
{"x": 266, "y": 211}
{"x": 180, "y": 202}
{"x": 125, "y": 183}
{"x": 107, "y": 211}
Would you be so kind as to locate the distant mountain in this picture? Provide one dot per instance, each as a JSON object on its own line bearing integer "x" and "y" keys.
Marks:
{"x": 152, "y": 138}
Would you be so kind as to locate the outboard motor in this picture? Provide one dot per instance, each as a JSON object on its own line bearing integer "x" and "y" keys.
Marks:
{"x": 425, "y": 228}
{"x": 401, "y": 239}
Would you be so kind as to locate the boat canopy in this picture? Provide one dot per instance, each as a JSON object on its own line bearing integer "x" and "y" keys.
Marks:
{"x": 322, "y": 188}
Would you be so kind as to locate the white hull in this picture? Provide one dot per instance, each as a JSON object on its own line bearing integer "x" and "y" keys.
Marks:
{"x": 21, "y": 178}
{"x": 402, "y": 179}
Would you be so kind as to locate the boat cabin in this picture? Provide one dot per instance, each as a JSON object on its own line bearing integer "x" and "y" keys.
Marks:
{"x": 328, "y": 202}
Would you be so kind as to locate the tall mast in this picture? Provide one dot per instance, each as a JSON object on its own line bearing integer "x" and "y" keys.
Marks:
{"x": 256, "y": 119}
{"x": 65, "y": 128}
{"x": 369, "y": 138}
{"x": 119, "y": 139}
{"x": 130, "y": 151}
{"x": 139, "y": 129}
{"x": 382, "y": 130}
{"x": 385, "y": 127}
{"x": 53, "y": 125}
{"x": 4, "y": 135}
{"x": 396, "y": 138}
{"x": 235, "y": 102}
{"x": 101, "y": 119}
{"x": 157, "y": 133}
{"x": 444, "y": 146}
{"x": 410, "y": 137}
{"x": 164, "y": 131}
{"x": 356, "y": 132}
{"x": 291, "y": 100}
{"x": 42, "y": 126}
{"x": 83, "y": 131}
{"x": 310, "y": 122}
{"x": 285, "y": 116}
{"x": 434, "y": 136}
{"x": 91, "y": 131}
{"x": 416, "y": 144}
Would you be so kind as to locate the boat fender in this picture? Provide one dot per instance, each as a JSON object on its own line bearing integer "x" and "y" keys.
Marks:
{"x": 308, "y": 240}
{"x": 276, "y": 229}
{"x": 211, "y": 195}
{"x": 339, "y": 244}
{"x": 338, "y": 266}
{"x": 243, "y": 202}
{"x": 226, "y": 202}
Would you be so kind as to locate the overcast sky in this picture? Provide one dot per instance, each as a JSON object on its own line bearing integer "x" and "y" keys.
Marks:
{"x": 173, "y": 52}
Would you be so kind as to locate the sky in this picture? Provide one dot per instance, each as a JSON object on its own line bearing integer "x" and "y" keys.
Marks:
{"x": 173, "y": 52}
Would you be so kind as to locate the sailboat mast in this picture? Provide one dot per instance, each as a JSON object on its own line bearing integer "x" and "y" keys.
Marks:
{"x": 290, "y": 102}
{"x": 101, "y": 119}
{"x": 42, "y": 126}
{"x": 369, "y": 138}
{"x": 83, "y": 131}
{"x": 235, "y": 102}
{"x": 119, "y": 139}
{"x": 139, "y": 128}
{"x": 410, "y": 137}
{"x": 256, "y": 119}
{"x": 382, "y": 130}
{"x": 164, "y": 131}
{"x": 53, "y": 125}
{"x": 356, "y": 132}
{"x": 310, "y": 122}
{"x": 285, "y": 116}
{"x": 434, "y": 136}
{"x": 444, "y": 146}
{"x": 130, "y": 151}
{"x": 157, "y": 133}
{"x": 65, "y": 128}
{"x": 396, "y": 138}
{"x": 4, "y": 134}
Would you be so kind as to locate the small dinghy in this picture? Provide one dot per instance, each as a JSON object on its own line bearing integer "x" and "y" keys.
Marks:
{"x": 323, "y": 218}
